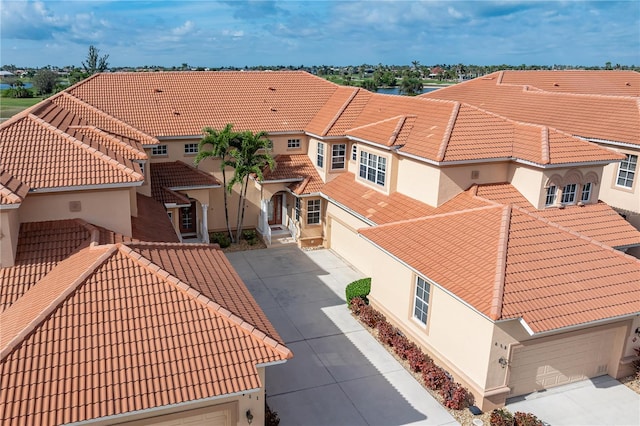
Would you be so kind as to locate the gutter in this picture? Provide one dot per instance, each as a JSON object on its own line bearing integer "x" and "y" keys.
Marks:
{"x": 324, "y": 138}
{"x": 348, "y": 210}
{"x": 577, "y": 326}
{"x": 187, "y": 188}
{"x": 614, "y": 143}
{"x": 85, "y": 187}
{"x": 377, "y": 145}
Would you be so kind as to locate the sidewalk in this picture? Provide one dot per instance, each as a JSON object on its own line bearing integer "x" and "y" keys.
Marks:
{"x": 340, "y": 375}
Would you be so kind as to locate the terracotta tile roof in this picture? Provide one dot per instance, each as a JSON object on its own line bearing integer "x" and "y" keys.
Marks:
{"x": 183, "y": 103}
{"x": 516, "y": 265}
{"x": 42, "y": 156}
{"x": 377, "y": 207}
{"x": 41, "y": 246}
{"x": 608, "y": 111}
{"x": 340, "y": 112}
{"x": 169, "y": 176}
{"x": 594, "y": 220}
{"x": 152, "y": 223}
{"x": 12, "y": 191}
{"x": 298, "y": 167}
{"x": 109, "y": 332}
{"x": 613, "y": 83}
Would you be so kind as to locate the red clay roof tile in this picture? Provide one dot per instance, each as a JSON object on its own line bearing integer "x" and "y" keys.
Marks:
{"x": 298, "y": 168}
{"x": 168, "y": 177}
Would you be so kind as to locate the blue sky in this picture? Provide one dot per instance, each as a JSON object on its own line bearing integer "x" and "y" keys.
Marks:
{"x": 239, "y": 33}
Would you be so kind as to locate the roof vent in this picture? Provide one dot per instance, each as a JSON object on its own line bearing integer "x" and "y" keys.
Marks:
{"x": 273, "y": 109}
{"x": 627, "y": 84}
{"x": 556, "y": 84}
{"x": 272, "y": 88}
{"x": 176, "y": 112}
{"x": 157, "y": 90}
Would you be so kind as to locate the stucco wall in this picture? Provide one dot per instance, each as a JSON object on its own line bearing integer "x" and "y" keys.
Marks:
{"x": 530, "y": 182}
{"x": 342, "y": 237}
{"x": 418, "y": 180}
{"x": 617, "y": 196}
{"x": 455, "y": 179}
{"x": 9, "y": 228}
{"x": 108, "y": 208}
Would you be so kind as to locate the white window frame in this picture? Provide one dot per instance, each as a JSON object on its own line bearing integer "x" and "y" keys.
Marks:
{"x": 320, "y": 155}
{"x": 420, "y": 311}
{"x": 551, "y": 195}
{"x": 159, "y": 150}
{"x": 142, "y": 167}
{"x": 585, "y": 194}
{"x": 373, "y": 168}
{"x": 190, "y": 148}
{"x": 297, "y": 208}
{"x": 293, "y": 143}
{"x": 569, "y": 193}
{"x": 338, "y": 156}
{"x": 354, "y": 152}
{"x": 627, "y": 171}
{"x": 313, "y": 211}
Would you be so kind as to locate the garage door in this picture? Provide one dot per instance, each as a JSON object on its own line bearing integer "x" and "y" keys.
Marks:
{"x": 561, "y": 360}
{"x": 209, "y": 416}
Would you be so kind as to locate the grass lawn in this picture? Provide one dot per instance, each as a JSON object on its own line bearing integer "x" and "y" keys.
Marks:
{"x": 12, "y": 106}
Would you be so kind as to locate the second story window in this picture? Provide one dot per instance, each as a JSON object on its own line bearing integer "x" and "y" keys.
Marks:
{"x": 338, "y": 153}
{"x": 320, "y": 157}
{"x": 551, "y": 196}
{"x": 373, "y": 167}
{"x": 627, "y": 171}
{"x": 190, "y": 148}
{"x": 354, "y": 152}
{"x": 586, "y": 192}
{"x": 293, "y": 143}
{"x": 159, "y": 150}
{"x": 569, "y": 194}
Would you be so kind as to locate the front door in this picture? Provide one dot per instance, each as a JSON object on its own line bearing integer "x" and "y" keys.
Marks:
{"x": 275, "y": 210}
{"x": 188, "y": 219}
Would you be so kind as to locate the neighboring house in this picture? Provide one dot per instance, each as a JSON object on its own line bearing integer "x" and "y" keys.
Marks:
{"x": 484, "y": 235}
{"x": 598, "y": 106}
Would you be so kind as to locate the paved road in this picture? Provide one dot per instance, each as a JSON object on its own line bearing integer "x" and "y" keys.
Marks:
{"x": 339, "y": 375}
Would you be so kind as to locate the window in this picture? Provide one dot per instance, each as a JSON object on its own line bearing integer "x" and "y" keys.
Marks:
{"x": 372, "y": 167}
{"x": 313, "y": 212}
{"x": 627, "y": 171}
{"x": 421, "y": 302}
{"x": 142, "y": 167}
{"x": 190, "y": 148}
{"x": 320, "y": 158}
{"x": 297, "y": 209}
{"x": 354, "y": 152}
{"x": 551, "y": 196}
{"x": 293, "y": 143}
{"x": 170, "y": 214}
{"x": 569, "y": 194}
{"x": 338, "y": 153}
{"x": 586, "y": 192}
{"x": 159, "y": 150}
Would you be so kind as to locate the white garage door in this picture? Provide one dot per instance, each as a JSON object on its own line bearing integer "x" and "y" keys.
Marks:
{"x": 209, "y": 416}
{"x": 348, "y": 245}
{"x": 561, "y": 360}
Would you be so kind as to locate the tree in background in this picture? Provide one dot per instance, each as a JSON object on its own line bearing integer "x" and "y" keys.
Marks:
{"x": 369, "y": 84}
{"x": 249, "y": 159}
{"x": 410, "y": 85}
{"x": 44, "y": 81}
{"x": 221, "y": 142}
{"x": 95, "y": 63}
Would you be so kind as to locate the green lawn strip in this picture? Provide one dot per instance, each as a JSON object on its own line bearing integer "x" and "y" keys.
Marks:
{"x": 12, "y": 106}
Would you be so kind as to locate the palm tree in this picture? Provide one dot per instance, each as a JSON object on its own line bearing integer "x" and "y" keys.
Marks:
{"x": 221, "y": 143}
{"x": 249, "y": 159}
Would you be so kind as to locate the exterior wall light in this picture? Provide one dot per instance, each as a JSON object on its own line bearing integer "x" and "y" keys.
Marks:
{"x": 503, "y": 362}
{"x": 249, "y": 416}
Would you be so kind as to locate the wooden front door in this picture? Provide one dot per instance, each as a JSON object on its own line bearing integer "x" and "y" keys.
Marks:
{"x": 275, "y": 210}
{"x": 188, "y": 219}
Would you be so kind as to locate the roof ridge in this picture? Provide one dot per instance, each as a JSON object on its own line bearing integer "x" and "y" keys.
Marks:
{"x": 89, "y": 149}
{"x": 535, "y": 90}
{"x": 501, "y": 264}
{"x": 448, "y": 131}
{"x": 575, "y": 233}
{"x": 12, "y": 195}
{"x": 19, "y": 320}
{"x": 109, "y": 116}
{"x": 546, "y": 159}
{"x": 206, "y": 302}
{"x": 110, "y": 137}
{"x": 399, "y": 126}
{"x": 340, "y": 111}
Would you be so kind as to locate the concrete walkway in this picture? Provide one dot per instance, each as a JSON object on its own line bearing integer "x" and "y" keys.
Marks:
{"x": 599, "y": 401}
{"x": 340, "y": 375}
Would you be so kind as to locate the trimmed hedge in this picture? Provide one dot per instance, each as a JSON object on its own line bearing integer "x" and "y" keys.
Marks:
{"x": 359, "y": 288}
{"x": 221, "y": 239}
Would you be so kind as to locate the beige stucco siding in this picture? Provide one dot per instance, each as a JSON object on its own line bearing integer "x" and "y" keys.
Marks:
{"x": 530, "y": 182}
{"x": 618, "y": 196}
{"x": 108, "y": 208}
{"x": 10, "y": 226}
{"x": 418, "y": 180}
{"x": 455, "y": 334}
{"x": 343, "y": 238}
{"x": 455, "y": 179}
{"x": 312, "y": 152}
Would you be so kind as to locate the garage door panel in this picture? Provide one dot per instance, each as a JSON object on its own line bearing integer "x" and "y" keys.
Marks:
{"x": 545, "y": 363}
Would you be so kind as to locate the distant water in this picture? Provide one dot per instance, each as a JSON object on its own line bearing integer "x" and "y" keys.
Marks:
{"x": 396, "y": 90}
{"x": 4, "y": 86}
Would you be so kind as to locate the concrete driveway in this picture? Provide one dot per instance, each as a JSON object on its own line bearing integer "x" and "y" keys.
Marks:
{"x": 339, "y": 375}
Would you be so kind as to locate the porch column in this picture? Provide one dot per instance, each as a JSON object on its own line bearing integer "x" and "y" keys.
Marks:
{"x": 205, "y": 222}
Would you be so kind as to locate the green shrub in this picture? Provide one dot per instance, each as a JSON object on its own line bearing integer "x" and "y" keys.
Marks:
{"x": 250, "y": 236}
{"x": 221, "y": 239}
{"x": 359, "y": 288}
